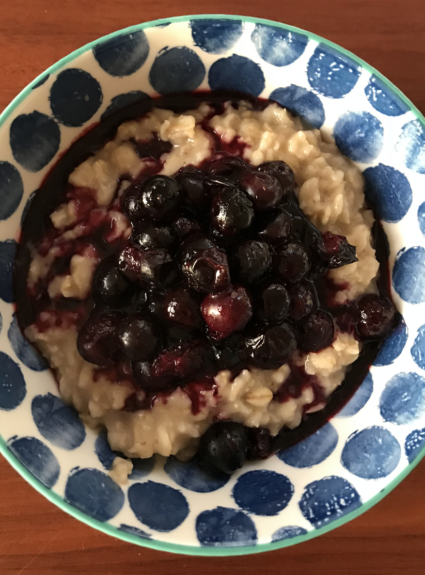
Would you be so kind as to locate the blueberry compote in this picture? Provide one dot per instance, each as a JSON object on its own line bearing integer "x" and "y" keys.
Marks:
{"x": 222, "y": 271}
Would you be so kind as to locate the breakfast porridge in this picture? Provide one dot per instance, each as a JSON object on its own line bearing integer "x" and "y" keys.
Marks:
{"x": 209, "y": 277}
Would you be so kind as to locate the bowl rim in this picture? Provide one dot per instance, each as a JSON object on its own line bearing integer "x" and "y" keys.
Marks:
{"x": 106, "y": 527}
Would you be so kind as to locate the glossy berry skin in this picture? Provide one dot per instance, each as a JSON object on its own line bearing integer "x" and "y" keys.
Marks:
{"x": 138, "y": 338}
{"x": 303, "y": 300}
{"x": 263, "y": 189}
{"x": 229, "y": 352}
{"x": 160, "y": 197}
{"x": 110, "y": 287}
{"x": 251, "y": 260}
{"x": 232, "y": 211}
{"x": 131, "y": 203}
{"x": 335, "y": 251}
{"x": 377, "y": 317}
{"x": 130, "y": 263}
{"x": 259, "y": 443}
{"x": 186, "y": 360}
{"x": 293, "y": 262}
{"x": 184, "y": 226}
{"x": 153, "y": 267}
{"x": 181, "y": 308}
{"x": 223, "y": 448}
{"x": 205, "y": 270}
{"x": 147, "y": 235}
{"x": 229, "y": 167}
{"x": 226, "y": 311}
{"x": 272, "y": 303}
{"x": 316, "y": 331}
{"x": 192, "y": 182}
{"x": 144, "y": 378}
{"x": 282, "y": 172}
{"x": 96, "y": 341}
{"x": 276, "y": 228}
{"x": 271, "y": 347}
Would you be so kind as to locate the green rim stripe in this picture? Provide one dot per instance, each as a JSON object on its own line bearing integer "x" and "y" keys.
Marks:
{"x": 106, "y": 527}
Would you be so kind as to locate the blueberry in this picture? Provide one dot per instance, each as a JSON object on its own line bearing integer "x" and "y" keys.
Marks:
{"x": 276, "y": 227}
{"x": 232, "y": 211}
{"x": 131, "y": 203}
{"x": 223, "y": 448}
{"x": 335, "y": 251}
{"x": 271, "y": 347}
{"x": 316, "y": 331}
{"x": 282, "y": 172}
{"x": 204, "y": 267}
{"x": 303, "y": 300}
{"x": 147, "y": 235}
{"x": 227, "y": 311}
{"x": 293, "y": 262}
{"x": 96, "y": 341}
{"x": 144, "y": 378}
{"x": 110, "y": 287}
{"x": 377, "y": 317}
{"x": 272, "y": 303}
{"x": 259, "y": 443}
{"x": 185, "y": 226}
{"x": 160, "y": 196}
{"x": 130, "y": 263}
{"x": 181, "y": 308}
{"x": 138, "y": 338}
{"x": 229, "y": 351}
{"x": 251, "y": 260}
{"x": 183, "y": 361}
{"x": 264, "y": 190}
{"x": 192, "y": 182}
{"x": 230, "y": 167}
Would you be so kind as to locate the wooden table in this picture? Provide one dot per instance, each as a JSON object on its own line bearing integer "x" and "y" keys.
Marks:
{"x": 36, "y": 537}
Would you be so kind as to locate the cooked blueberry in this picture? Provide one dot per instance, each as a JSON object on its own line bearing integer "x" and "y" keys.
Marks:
{"x": 232, "y": 211}
{"x": 96, "y": 341}
{"x": 194, "y": 243}
{"x": 156, "y": 304}
{"x": 192, "y": 359}
{"x": 157, "y": 268}
{"x": 303, "y": 300}
{"x": 264, "y": 190}
{"x": 228, "y": 166}
{"x": 276, "y": 228}
{"x": 223, "y": 448}
{"x": 271, "y": 347}
{"x": 147, "y": 235}
{"x": 227, "y": 311}
{"x": 335, "y": 251}
{"x": 251, "y": 260}
{"x": 259, "y": 443}
{"x": 293, "y": 262}
{"x": 160, "y": 197}
{"x": 347, "y": 318}
{"x": 138, "y": 338}
{"x": 316, "y": 331}
{"x": 181, "y": 308}
{"x": 282, "y": 172}
{"x": 142, "y": 372}
{"x": 130, "y": 263}
{"x": 272, "y": 303}
{"x": 192, "y": 181}
{"x": 175, "y": 335}
{"x": 205, "y": 270}
{"x": 110, "y": 286}
{"x": 153, "y": 148}
{"x": 131, "y": 203}
{"x": 185, "y": 226}
{"x": 229, "y": 352}
{"x": 377, "y": 316}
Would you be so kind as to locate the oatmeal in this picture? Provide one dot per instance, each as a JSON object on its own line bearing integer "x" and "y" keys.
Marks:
{"x": 236, "y": 247}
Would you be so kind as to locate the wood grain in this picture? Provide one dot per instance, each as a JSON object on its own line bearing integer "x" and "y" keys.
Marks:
{"x": 36, "y": 538}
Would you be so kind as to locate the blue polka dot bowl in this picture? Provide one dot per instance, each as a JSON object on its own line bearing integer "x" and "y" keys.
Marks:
{"x": 378, "y": 437}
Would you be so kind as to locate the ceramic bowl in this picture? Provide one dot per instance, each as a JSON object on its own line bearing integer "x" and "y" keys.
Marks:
{"x": 379, "y": 436}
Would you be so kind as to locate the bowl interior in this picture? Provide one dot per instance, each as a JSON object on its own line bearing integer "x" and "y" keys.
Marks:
{"x": 365, "y": 450}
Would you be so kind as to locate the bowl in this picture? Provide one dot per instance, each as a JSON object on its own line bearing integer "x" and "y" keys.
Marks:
{"x": 379, "y": 436}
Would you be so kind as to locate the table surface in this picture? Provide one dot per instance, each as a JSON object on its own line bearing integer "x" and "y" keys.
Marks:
{"x": 35, "y": 536}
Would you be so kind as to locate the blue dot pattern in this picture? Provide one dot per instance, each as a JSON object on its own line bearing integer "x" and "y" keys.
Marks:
{"x": 7, "y": 259}
{"x": 287, "y": 533}
{"x": 237, "y": 73}
{"x": 418, "y": 348}
{"x": 216, "y": 36}
{"x": 12, "y": 383}
{"x": 11, "y": 190}
{"x": 392, "y": 346}
{"x": 415, "y": 443}
{"x": 409, "y": 274}
{"x": 158, "y": 506}
{"x": 359, "y": 399}
{"x": 75, "y": 97}
{"x": 328, "y": 499}
{"x": 57, "y": 422}
{"x": 34, "y": 140}
{"x": 94, "y": 493}
{"x": 263, "y": 492}
{"x": 27, "y": 205}
{"x": 301, "y": 102}
{"x": 276, "y": 46}
{"x": 37, "y": 458}
{"x": 411, "y": 146}
{"x": 403, "y": 399}
{"x": 421, "y": 218}
{"x": 371, "y": 453}
{"x": 389, "y": 191}
{"x": 123, "y": 100}
{"x": 190, "y": 476}
{"x": 176, "y": 70}
{"x": 332, "y": 74}
{"x": 384, "y": 100}
{"x": 24, "y": 351}
{"x": 225, "y": 527}
{"x": 122, "y": 55}
{"x": 312, "y": 450}
{"x": 134, "y": 531}
{"x": 359, "y": 135}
